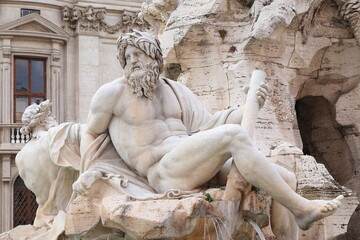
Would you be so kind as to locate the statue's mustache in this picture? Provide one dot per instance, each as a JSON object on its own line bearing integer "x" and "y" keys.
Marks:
{"x": 136, "y": 65}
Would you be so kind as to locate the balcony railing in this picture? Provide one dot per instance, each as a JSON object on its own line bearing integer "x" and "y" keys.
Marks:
{"x": 10, "y": 133}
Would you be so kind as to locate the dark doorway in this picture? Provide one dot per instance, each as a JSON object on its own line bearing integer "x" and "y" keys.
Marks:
{"x": 24, "y": 204}
{"x": 322, "y": 138}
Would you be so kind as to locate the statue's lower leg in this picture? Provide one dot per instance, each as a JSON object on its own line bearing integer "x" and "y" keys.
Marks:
{"x": 258, "y": 171}
{"x": 283, "y": 223}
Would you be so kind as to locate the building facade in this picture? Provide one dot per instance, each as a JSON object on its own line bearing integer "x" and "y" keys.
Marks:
{"x": 61, "y": 50}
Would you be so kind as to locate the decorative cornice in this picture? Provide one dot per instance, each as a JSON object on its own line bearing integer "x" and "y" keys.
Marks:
{"x": 14, "y": 33}
{"x": 90, "y": 20}
{"x": 13, "y": 26}
{"x": 11, "y": 29}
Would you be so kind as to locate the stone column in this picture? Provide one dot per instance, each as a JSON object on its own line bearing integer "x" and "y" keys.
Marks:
{"x": 87, "y": 24}
{"x": 88, "y": 69}
{"x": 57, "y": 82}
{"x": 6, "y": 198}
{"x": 6, "y": 85}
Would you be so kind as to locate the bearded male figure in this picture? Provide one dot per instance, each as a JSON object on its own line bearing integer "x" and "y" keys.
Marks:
{"x": 163, "y": 133}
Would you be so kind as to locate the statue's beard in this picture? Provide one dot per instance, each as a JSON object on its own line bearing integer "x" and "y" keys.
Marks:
{"x": 143, "y": 80}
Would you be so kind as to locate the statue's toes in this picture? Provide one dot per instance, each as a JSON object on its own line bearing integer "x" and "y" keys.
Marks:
{"x": 330, "y": 207}
{"x": 324, "y": 209}
{"x": 336, "y": 203}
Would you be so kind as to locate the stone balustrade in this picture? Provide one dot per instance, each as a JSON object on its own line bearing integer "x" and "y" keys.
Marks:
{"x": 10, "y": 133}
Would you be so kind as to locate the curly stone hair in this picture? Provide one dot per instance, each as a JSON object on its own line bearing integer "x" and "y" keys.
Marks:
{"x": 142, "y": 40}
{"x": 37, "y": 114}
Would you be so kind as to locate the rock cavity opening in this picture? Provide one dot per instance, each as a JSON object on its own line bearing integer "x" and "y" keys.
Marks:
{"x": 322, "y": 137}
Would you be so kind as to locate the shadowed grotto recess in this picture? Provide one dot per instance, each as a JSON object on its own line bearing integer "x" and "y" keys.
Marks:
{"x": 322, "y": 138}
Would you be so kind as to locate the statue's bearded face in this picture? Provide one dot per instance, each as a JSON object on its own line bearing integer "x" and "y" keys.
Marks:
{"x": 141, "y": 71}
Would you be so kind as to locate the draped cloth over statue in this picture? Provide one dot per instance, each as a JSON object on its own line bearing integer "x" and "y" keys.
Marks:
{"x": 195, "y": 116}
{"x": 63, "y": 151}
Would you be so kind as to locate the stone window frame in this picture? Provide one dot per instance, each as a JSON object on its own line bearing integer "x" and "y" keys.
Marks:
{"x": 29, "y": 94}
{"x": 50, "y": 81}
{"x": 55, "y": 64}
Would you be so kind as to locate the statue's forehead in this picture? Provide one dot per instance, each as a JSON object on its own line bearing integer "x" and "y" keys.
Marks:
{"x": 132, "y": 48}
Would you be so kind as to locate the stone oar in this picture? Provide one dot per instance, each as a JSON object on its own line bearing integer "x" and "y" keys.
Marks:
{"x": 235, "y": 182}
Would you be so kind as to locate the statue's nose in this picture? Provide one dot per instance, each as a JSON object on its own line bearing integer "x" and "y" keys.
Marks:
{"x": 134, "y": 60}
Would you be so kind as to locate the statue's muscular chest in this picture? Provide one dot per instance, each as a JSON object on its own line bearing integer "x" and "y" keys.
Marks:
{"x": 139, "y": 111}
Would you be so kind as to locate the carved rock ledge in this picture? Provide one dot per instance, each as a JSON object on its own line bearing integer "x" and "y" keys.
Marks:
{"x": 192, "y": 217}
{"x": 202, "y": 215}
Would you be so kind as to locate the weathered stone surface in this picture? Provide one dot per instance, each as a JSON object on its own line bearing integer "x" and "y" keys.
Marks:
{"x": 314, "y": 181}
{"x": 185, "y": 218}
{"x": 151, "y": 219}
{"x": 18, "y": 233}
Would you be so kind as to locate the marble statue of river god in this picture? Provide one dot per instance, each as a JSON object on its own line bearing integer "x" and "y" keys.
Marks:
{"x": 164, "y": 134}
{"x": 148, "y": 136}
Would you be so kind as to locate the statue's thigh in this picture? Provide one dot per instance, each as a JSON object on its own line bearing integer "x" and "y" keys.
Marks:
{"x": 193, "y": 162}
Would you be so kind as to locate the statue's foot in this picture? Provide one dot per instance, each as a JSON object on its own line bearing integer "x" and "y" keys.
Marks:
{"x": 317, "y": 210}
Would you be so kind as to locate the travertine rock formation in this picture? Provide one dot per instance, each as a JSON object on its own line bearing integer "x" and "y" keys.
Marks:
{"x": 310, "y": 52}
{"x": 315, "y": 181}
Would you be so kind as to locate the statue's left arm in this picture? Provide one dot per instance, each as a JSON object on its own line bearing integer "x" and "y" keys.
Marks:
{"x": 236, "y": 116}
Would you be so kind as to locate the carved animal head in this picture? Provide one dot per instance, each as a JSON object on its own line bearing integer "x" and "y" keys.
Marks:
{"x": 38, "y": 114}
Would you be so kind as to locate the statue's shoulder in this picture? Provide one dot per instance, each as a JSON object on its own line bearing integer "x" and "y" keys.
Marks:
{"x": 116, "y": 84}
{"x": 111, "y": 89}
{"x": 119, "y": 82}
{"x": 107, "y": 95}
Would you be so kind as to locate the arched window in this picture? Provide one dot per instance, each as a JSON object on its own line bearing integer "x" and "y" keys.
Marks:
{"x": 24, "y": 204}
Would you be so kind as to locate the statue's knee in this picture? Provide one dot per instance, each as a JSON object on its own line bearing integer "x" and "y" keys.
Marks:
{"x": 231, "y": 129}
{"x": 236, "y": 132}
{"x": 291, "y": 180}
